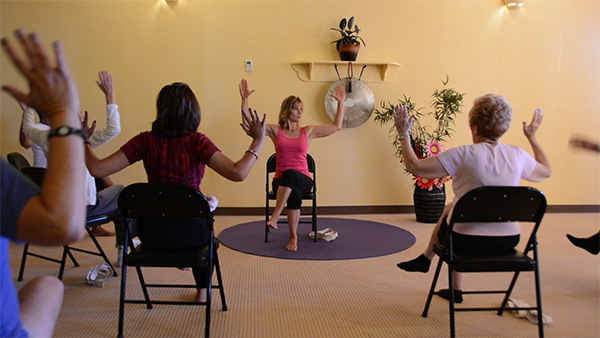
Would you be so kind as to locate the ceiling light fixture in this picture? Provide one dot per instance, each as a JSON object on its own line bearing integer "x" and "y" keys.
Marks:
{"x": 512, "y": 4}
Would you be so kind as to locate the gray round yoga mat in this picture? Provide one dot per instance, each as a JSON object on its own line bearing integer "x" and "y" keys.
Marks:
{"x": 356, "y": 239}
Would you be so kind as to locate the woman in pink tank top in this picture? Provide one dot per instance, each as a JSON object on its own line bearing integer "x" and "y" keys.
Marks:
{"x": 292, "y": 178}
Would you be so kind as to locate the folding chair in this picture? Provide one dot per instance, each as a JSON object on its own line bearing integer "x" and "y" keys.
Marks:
{"x": 37, "y": 176}
{"x": 493, "y": 204}
{"x": 172, "y": 221}
{"x": 271, "y": 195}
{"x": 18, "y": 160}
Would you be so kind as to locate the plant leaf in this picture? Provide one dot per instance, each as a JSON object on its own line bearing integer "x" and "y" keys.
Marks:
{"x": 351, "y": 22}
{"x": 343, "y": 24}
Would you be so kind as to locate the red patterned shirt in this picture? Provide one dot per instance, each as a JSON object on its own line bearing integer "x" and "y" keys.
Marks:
{"x": 180, "y": 160}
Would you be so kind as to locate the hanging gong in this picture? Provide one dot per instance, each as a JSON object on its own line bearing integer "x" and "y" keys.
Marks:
{"x": 360, "y": 102}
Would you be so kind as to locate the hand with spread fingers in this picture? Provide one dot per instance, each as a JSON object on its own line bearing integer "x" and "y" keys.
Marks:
{"x": 402, "y": 121}
{"x": 252, "y": 124}
{"x": 88, "y": 129}
{"x": 51, "y": 88}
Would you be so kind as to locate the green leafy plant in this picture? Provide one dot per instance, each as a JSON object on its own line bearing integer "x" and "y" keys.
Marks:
{"x": 349, "y": 32}
{"x": 425, "y": 140}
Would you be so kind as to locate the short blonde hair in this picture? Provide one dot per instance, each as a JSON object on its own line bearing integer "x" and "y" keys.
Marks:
{"x": 491, "y": 114}
{"x": 286, "y": 107}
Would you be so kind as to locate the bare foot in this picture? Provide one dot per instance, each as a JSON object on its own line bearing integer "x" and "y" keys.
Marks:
{"x": 272, "y": 223}
{"x": 99, "y": 231}
{"x": 200, "y": 295}
{"x": 292, "y": 245}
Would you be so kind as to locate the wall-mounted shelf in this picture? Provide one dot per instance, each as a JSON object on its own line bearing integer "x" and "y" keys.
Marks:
{"x": 324, "y": 71}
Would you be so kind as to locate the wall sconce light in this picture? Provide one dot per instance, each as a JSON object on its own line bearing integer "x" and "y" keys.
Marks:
{"x": 171, "y": 0}
{"x": 512, "y": 4}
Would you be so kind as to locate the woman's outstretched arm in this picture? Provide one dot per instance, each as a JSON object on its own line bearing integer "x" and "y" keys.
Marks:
{"x": 427, "y": 167}
{"x": 328, "y": 129}
{"x": 542, "y": 169}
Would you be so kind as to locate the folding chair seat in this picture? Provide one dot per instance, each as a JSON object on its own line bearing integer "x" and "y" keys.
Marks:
{"x": 171, "y": 219}
{"x": 37, "y": 176}
{"x": 493, "y": 204}
{"x": 312, "y": 195}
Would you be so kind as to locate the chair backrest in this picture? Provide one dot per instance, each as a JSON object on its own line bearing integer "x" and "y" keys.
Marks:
{"x": 168, "y": 216}
{"x": 36, "y": 174}
{"x": 18, "y": 160}
{"x": 501, "y": 204}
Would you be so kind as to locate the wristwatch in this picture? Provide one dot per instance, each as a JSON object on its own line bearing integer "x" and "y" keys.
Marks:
{"x": 66, "y": 131}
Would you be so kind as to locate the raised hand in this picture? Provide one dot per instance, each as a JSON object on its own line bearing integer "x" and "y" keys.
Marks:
{"x": 252, "y": 124}
{"x": 105, "y": 83}
{"x": 245, "y": 92}
{"x": 340, "y": 94}
{"x": 84, "y": 125}
{"x": 402, "y": 121}
{"x": 536, "y": 121}
{"x": 52, "y": 90}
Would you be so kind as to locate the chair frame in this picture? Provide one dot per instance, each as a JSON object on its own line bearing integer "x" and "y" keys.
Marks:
{"x": 493, "y": 204}
{"x": 37, "y": 175}
{"x": 131, "y": 204}
{"x": 271, "y": 195}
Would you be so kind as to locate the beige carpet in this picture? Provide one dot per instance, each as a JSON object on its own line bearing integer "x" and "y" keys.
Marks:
{"x": 357, "y": 298}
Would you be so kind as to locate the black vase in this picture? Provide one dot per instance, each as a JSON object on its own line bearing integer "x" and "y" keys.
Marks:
{"x": 429, "y": 205}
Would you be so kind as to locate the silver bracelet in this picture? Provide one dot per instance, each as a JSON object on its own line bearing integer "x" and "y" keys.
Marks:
{"x": 402, "y": 137}
{"x": 250, "y": 151}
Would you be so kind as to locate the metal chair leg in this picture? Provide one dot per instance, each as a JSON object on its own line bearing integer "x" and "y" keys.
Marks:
{"x": 432, "y": 289}
{"x": 22, "y": 268}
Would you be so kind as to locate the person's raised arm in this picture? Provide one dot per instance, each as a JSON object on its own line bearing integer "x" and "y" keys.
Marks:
{"x": 328, "y": 129}
{"x": 101, "y": 167}
{"x": 55, "y": 216}
{"x": 245, "y": 93}
{"x": 427, "y": 167}
{"x": 238, "y": 171}
{"x": 113, "y": 119}
{"x": 542, "y": 170}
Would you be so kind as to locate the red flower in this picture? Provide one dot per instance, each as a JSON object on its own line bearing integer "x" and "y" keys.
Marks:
{"x": 426, "y": 183}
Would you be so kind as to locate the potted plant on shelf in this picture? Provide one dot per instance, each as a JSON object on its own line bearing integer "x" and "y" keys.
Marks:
{"x": 429, "y": 194}
{"x": 349, "y": 44}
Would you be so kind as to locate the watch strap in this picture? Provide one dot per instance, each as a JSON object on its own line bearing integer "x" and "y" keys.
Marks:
{"x": 66, "y": 131}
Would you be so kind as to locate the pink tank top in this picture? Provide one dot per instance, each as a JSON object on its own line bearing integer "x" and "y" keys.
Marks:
{"x": 291, "y": 153}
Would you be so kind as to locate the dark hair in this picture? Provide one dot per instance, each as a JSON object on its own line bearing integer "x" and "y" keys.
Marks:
{"x": 177, "y": 111}
{"x": 286, "y": 107}
{"x": 491, "y": 114}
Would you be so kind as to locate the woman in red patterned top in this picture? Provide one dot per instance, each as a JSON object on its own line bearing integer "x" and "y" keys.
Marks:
{"x": 173, "y": 151}
{"x": 292, "y": 178}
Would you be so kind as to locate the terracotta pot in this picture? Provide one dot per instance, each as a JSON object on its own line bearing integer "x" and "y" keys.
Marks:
{"x": 349, "y": 52}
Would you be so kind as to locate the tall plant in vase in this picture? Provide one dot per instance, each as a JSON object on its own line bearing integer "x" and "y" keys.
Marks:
{"x": 426, "y": 141}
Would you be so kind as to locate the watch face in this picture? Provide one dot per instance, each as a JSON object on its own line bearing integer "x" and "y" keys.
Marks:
{"x": 63, "y": 131}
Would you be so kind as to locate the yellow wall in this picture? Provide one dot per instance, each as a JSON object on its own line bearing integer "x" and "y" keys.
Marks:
{"x": 546, "y": 55}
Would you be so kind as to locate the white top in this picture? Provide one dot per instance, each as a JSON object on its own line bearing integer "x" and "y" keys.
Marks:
{"x": 483, "y": 164}
{"x": 38, "y": 133}
{"x": 39, "y": 158}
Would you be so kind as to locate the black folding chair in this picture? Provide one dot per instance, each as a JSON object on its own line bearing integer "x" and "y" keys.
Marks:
{"x": 18, "y": 160}
{"x": 171, "y": 221}
{"x": 271, "y": 195}
{"x": 37, "y": 176}
{"x": 495, "y": 204}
